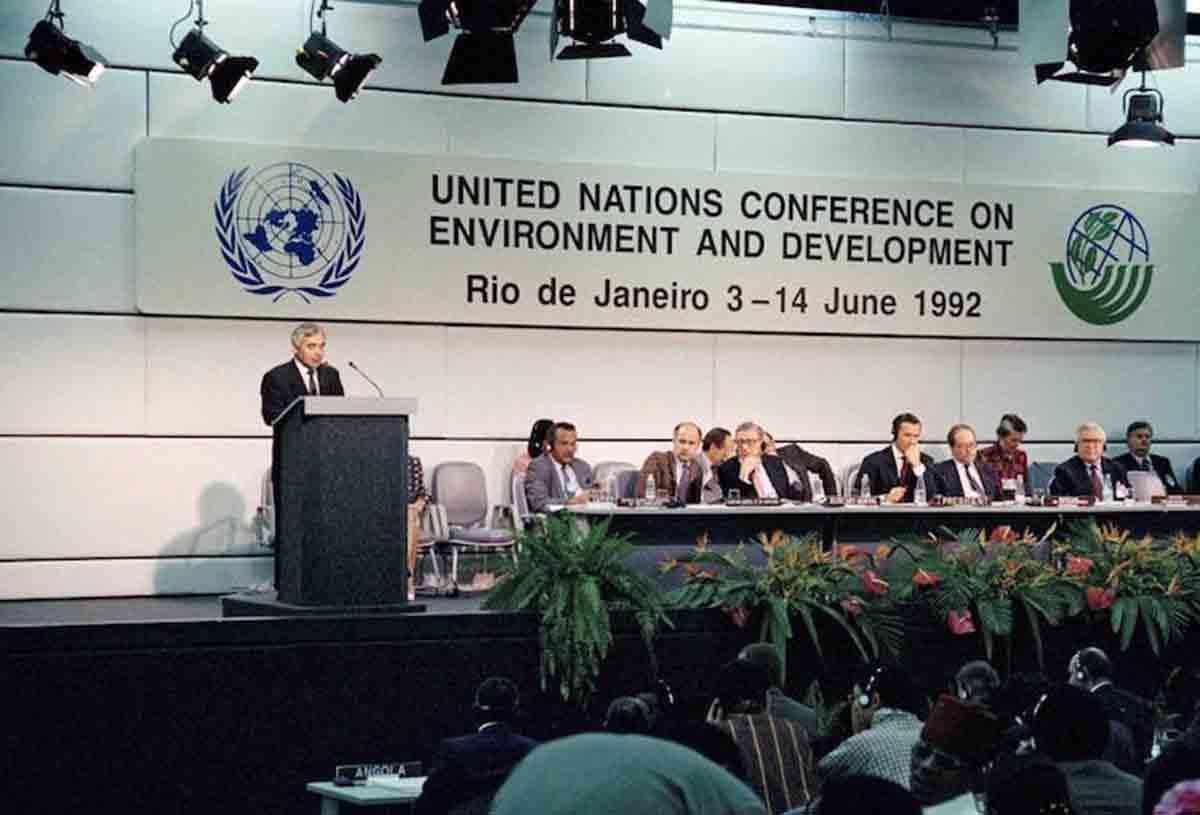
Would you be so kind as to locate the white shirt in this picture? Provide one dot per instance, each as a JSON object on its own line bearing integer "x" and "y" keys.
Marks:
{"x": 968, "y": 490}
{"x": 762, "y": 484}
{"x": 566, "y": 477}
{"x": 304, "y": 369}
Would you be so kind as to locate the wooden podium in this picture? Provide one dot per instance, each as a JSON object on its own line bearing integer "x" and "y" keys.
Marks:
{"x": 341, "y": 507}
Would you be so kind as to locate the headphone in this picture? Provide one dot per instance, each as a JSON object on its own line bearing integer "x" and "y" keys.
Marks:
{"x": 864, "y": 698}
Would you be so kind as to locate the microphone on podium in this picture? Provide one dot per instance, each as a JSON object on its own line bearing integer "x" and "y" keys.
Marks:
{"x": 364, "y": 376}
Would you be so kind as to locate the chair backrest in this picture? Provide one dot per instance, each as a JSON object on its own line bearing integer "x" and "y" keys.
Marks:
{"x": 602, "y": 470}
{"x": 434, "y": 523}
{"x": 627, "y": 481}
{"x": 849, "y": 479}
{"x": 1040, "y": 473}
{"x": 520, "y": 503}
{"x": 459, "y": 487}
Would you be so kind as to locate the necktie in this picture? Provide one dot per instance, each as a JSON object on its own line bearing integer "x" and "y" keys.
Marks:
{"x": 974, "y": 482}
{"x": 570, "y": 493}
{"x": 312, "y": 383}
{"x": 905, "y": 471}
{"x": 1097, "y": 484}
{"x": 681, "y": 490}
{"x": 1146, "y": 465}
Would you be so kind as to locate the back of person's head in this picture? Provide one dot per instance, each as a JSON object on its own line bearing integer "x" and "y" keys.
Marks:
{"x": 714, "y": 438}
{"x": 714, "y": 743}
{"x": 629, "y": 714}
{"x": 539, "y": 436}
{"x": 894, "y": 686}
{"x": 496, "y": 699}
{"x": 968, "y": 732}
{"x": 766, "y": 655}
{"x": 1028, "y": 784}
{"x": 863, "y": 794}
{"x": 977, "y": 683}
{"x": 1010, "y": 423}
{"x": 742, "y": 687}
{"x": 1070, "y": 724}
{"x": 1090, "y": 665}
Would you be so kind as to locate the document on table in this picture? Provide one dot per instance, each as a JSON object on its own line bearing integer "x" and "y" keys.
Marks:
{"x": 410, "y": 785}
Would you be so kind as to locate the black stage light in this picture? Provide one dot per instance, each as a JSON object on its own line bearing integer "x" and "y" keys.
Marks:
{"x": 204, "y": 59}
{"x": 324, "y": 59}
{"x": 1143, "y": 123}
{"x": 58, "y": 54}
{"x": 592, "y": 24}
{"x": 484, "y": 51}
{"x": 1105, "y": 38}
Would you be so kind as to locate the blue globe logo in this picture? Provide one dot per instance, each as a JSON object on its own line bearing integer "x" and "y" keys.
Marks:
{"x": 293, "y": 220}
{"x": 1107, "y": 272}
{"x": 1103, "y": 235}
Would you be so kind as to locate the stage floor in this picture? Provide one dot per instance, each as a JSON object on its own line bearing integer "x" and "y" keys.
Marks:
{"x": 163, "y": 609}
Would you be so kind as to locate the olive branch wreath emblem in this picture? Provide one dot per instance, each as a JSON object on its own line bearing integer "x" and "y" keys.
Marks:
{"x": 246, "y": 272}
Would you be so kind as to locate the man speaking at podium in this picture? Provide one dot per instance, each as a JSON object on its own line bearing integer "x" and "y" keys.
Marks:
{"x": 305, "y": 374}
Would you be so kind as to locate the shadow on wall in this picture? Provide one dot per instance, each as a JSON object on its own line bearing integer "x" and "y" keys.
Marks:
{"x": 222, "y": 528}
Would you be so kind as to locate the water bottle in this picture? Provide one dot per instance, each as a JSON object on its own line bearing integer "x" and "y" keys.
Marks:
{"x": 919, "y": 493}
{"x": 1108, "y": 490}
{"x": 1119, "y": 491}
{"x": 864, "y": 488}
{"x": 1020, "y": 491}
{"x": 818, "y": 490}
{"x": 610, "y": 486}
{"x": 651, "y": 488}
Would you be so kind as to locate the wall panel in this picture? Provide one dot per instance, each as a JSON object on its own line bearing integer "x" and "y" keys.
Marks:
{"x": 130, "y": 578}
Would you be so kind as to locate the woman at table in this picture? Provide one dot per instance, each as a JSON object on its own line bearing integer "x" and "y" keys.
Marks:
{"x": 539, "y": 443}
{"x": 1006, "y": 456}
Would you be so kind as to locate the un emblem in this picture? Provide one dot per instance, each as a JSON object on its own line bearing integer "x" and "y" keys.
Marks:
{"x": 288, "y": 230}
{"x": 1107, "y": 272}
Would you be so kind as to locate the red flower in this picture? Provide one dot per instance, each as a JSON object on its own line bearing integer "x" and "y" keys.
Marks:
{"x": 1077, "y": 566}
{"x": 740, "y": 615}
{"x": 873, "y": 583}
{"x": 924, "y": 578}
{"x": 1099, "y": 599}
{"x": 960, "y": 622}
{"x": 852, "y": 605}
{"x": 1003, "y": 534}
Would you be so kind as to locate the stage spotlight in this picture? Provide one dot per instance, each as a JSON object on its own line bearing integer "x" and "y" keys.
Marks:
{"x": 204, "y": 59}
{"x": 58, "y": 54}
{"x": 322, "y": 58}
{"x": 485, "y": 51}
{"x": 1143, "y": 123}
{"x": 592, "y": 24}
{"x": 1104, "y": 37}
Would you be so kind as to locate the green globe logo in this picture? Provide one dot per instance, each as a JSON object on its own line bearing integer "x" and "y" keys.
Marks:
{"x": 1107, "y": 273}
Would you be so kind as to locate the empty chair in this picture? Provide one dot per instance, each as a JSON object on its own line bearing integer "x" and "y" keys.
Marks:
{"x": 627, "y": 481}
{"x": 604, "y": 469}
{"x": 849, "y": 480}
{"x": 520, "y": 503}
{"x": 432, "y": 535}
{"x": 264, "y": 519}
{"x": 460, "y": 489}
{"x": 1040, "y": 473}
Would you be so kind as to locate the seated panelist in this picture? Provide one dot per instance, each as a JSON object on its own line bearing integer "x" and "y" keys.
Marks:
{"x": 1006, "y": 457}
{"x": 894, "y": 470}
{"x": 716, "y": 449}
{"x": 755, "y": 475}
{"x": 1083, "y": 474}
{"x": 681, "y": 470}
{"x": 558, "y": 477}
{"x": 964, "y": 475}
{"x": 1138, "y": 438}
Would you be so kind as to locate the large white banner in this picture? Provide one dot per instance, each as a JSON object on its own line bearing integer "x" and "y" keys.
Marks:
{"x": 253, "y": 230}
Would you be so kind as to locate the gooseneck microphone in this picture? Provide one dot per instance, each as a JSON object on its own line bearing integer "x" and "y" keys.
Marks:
{"x": 364, "y": 376}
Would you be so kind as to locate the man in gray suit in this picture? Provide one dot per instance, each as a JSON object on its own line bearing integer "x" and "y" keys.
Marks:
{"x": 558, "y": 477}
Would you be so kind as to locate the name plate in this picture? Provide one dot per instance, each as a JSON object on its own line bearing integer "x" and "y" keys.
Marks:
{"x": 353, "y": 775}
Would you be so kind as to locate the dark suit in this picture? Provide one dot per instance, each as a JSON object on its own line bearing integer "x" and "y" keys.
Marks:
{"x": 661, "y": 465}
{"x": 730, "y": 478}
{"x": 880, "y": 467}
{"x": 1162, "y": 468}
{"x": 467, "y": 770}
{"x": 800, "y": 460}
{"x": 283, "y": 383}
{"x": 950, "y": 482}
{"x": 1134, "y": 713}
{"x": 1072, "y": 477}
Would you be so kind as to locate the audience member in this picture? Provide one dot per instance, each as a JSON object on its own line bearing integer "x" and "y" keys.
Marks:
{"x": 1083, "y": 474}
{"x": 1091, "y": 669}
{"x": 629, "y": 714}
{"x": 801, "y": 460}
{"x": 779, "y": 704}
{"x": 1070, "y": 726}
{"x": 1179, "y": 759}
{"x": 681, "y": 470}
{"x": 894, "y": 470}
{"x": 977, "y": 683}
{"x": 885, "y": 713}
{"x": 718, "y": 448}
{"x": 755, "y": 475}
{"x": 558, "y": 477}
{"x": 1014, "y": 704}
{"x": 607, "y": 774}
{"x": 862, "y": 795}
{"x": 964, "y": 475}
{"x": 956, "y": 743}
{"x": 776, "y": 752}
{"x": 466, "y": 771}
{"x": 1138, "y": 438}
{"x": 1006, "y": 457}
{"x": 1027, "y": 784}
{"x": 539, "y": 443}
{"x": 713, "y": 743}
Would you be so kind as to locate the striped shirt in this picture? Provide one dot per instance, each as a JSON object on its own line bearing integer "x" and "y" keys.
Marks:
{"x": 777, "y": 757}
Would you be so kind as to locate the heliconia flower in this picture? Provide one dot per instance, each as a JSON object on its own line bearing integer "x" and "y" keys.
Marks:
{"x": 1099, "y": 599}
{"x": 739, "y": 616}
{"x": 960, "y": 622}
{"x": 852, "y": 604}
{"x": 847, "y": 551}
{"x": 924, "y": 578}
{"x": 873, "y": 584}
{"x": 1003, "y": 534}
{"x": 882, "y": 551}
{"x": 1077, "y": 566}
{"x": 1181, "y": 799}
{"x": 1174, "y": 587}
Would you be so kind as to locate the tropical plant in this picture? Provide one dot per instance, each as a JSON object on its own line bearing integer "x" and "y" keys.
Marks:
{"x": 798, "y": 578}
{"x": 1130, "y": 580}
{"x": 574, "y": 579}
{"x": 971, "y": 575}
